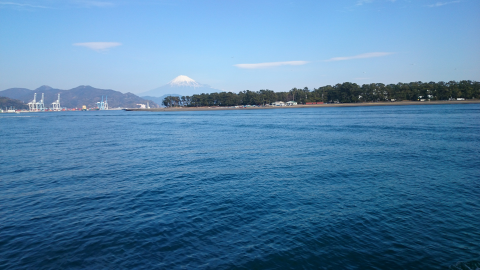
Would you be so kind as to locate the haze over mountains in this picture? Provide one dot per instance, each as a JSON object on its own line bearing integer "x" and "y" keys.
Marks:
{"x": 180, "y": 86}
{"x": 77, "y": 97}
{"x": 87, "y": 95}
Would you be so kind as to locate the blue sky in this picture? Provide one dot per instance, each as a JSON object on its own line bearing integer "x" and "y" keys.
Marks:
{"x": 135, "y": 46}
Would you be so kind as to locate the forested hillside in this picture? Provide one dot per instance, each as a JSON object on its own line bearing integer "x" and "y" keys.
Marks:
{"x": 6, "y": 102}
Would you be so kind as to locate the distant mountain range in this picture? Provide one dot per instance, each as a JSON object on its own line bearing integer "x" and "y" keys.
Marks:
{"x": 180, "y": 86}
{"x": 89, "y": 96}
{"x": 77, "y": 97}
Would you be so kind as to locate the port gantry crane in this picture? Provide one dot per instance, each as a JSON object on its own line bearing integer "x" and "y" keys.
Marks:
{"x": 56, "y": 104}
{"x": 32, "y": 105}
{"x": 41, "y": 106}
{"x": 35, "y": 106}
{"x": 103, "y": 105}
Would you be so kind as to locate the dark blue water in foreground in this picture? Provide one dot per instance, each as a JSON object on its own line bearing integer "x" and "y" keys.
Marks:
{"x": 335, "y": 188}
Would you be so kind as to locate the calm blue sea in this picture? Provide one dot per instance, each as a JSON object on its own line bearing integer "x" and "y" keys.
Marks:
{"x": 394, "y": 187}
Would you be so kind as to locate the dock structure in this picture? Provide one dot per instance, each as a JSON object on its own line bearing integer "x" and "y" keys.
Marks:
{"x": 35, "y": 106}
{"x": 103, "y": 105}
{"x": 56, "y": 104}
{"x": 40, "y": 104}
{"x": 32, "y": 105}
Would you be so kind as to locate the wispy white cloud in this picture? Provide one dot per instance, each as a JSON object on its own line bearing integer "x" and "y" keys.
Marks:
{"x": 98, "y": 46}
{"x": 360, "y": 56}
{"x": 95, "y": 3}
{"x": 57, "y": 4}
{"x": 20, "y": 5}
{"x": 271, "y": 64}
{"x": 439, "y": 4}
{"x": 362, "y": 2}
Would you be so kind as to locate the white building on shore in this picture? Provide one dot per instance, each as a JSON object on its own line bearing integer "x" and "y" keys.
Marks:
{"x": 292, "y": 103}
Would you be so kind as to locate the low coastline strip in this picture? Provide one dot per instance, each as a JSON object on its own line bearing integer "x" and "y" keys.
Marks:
{"x": 396, "y": 103}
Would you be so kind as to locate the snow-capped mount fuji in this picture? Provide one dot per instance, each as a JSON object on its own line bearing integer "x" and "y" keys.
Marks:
{"x": 180, "y": 86}
{"x": 183, "y": 80}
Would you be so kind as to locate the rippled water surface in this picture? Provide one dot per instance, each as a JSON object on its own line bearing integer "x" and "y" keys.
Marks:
{"x": 334, "y": 188}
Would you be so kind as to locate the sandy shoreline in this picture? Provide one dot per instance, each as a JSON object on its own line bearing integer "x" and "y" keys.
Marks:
{"x": 399, "y": 103}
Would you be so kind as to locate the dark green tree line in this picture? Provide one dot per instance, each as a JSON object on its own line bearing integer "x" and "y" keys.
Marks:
{"x": 345, "y": 93}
